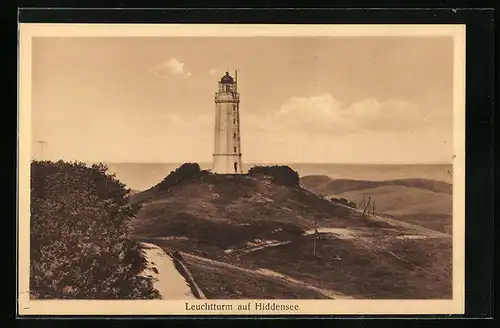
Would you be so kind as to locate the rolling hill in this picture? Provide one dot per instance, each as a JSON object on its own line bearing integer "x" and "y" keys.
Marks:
{"x": 259, "y": 225}
{"x": 326, "y": 185}
{"x": 423, "y": 202}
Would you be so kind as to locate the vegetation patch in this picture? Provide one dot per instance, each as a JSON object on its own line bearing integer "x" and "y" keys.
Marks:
{"x": 344, "y": 201}
{"x": 283, "y": 175}
{"x": 80, "y": 246}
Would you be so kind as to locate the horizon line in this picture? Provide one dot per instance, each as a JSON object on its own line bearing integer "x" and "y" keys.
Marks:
{"x": 278, "y": 162}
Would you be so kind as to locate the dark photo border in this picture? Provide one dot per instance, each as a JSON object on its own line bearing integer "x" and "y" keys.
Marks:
{"x": 480, "y": 100}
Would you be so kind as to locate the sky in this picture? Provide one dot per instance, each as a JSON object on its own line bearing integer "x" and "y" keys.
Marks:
{"x": 303, "y": 99}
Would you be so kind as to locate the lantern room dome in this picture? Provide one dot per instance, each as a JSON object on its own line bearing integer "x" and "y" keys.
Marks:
{"x": 227, "y": 78}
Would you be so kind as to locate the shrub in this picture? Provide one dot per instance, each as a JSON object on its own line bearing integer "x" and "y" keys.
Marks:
{"x": 182, "y": 174}
{"x": 280, "y": 174}
{"x": 80, "y": 247}
{"x": 343, "y": 201}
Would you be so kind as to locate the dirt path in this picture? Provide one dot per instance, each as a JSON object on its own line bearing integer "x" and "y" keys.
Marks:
{"x": 269, "y": 273}
{"x": 242, "y": 251}
{"x": 167, "y": 280}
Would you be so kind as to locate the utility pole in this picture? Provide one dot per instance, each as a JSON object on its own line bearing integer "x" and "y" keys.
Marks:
{"x": 315, "y": 235}
{"x": 42, "y": 144}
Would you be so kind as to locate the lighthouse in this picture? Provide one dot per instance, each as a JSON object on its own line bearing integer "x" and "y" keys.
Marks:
{"x": 227, "y": 144}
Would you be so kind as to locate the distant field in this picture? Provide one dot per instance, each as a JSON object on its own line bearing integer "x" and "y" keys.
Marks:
{"x": 438, "y": 222}
{"x": 423, "y": 202}
{"x": 326, "y": 185}
{"x": 399, "y": 200}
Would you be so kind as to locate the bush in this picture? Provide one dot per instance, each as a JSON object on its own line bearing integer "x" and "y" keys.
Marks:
{"x": 343, "y": 201}
{"x": 80, "y": 247}
{"x": 185, "y": 172}
{"x": 280, "y": 174}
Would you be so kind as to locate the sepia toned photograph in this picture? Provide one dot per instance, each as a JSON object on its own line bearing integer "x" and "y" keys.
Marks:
{"x": 241, "y": 169}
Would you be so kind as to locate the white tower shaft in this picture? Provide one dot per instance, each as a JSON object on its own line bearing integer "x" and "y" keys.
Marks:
{"x": 227, "y": 144}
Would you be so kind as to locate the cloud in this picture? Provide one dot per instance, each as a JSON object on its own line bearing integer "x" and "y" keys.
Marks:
{"x": 323, "y": 114}
{"x": 172, "y": 67}
{"x": 212, "y": 71}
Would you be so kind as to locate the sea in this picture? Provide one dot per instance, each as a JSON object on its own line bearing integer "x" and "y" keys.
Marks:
{"x": 142, "y": 176}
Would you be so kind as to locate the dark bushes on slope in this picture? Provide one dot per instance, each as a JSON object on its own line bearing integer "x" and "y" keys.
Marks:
{"x": 343, "y": 201}
{"x": 80, "y": 248}
{"x": 352, "y": 204}
{"x": 280, "y": 174}
{"x": 183, "y": 173}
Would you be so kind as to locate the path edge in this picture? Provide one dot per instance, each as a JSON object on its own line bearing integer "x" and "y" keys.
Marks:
{"x": 184, "y": 271}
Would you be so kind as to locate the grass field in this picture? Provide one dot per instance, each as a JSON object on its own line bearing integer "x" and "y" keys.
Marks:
{"x": 228, "y": 283}
{"x": 417, "y": 270}
{"x": 369, "y": 265}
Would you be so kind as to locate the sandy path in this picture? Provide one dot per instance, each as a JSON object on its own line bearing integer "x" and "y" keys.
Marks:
{"x": 255, "y": 248}
{"x": 167, "y": 280}
{"x": 269, "y": 273}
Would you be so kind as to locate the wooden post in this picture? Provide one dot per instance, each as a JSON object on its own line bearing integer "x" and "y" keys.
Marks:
{"x": 366, "y": 208}
{"x": 314, "y": 245}
{"x": 315, "y": 236}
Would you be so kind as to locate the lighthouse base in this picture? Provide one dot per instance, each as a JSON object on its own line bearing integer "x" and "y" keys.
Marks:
{"x": 227, "y": 164}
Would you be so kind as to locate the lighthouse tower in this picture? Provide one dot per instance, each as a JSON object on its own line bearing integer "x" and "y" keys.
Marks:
{"x": 227, "y": 146}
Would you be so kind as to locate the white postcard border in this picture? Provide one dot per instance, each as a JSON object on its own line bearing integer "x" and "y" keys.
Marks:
{"x": 166, "y": 307}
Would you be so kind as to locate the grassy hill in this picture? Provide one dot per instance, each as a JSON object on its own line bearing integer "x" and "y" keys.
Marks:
{"x": 257, "y": 224}
{"x": 228, "y": 209}
{"x": 423, "y": 202}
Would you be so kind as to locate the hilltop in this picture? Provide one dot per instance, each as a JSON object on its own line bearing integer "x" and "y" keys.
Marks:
{"x": 236, "y": 232}
{"x": 228, "y": 209}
